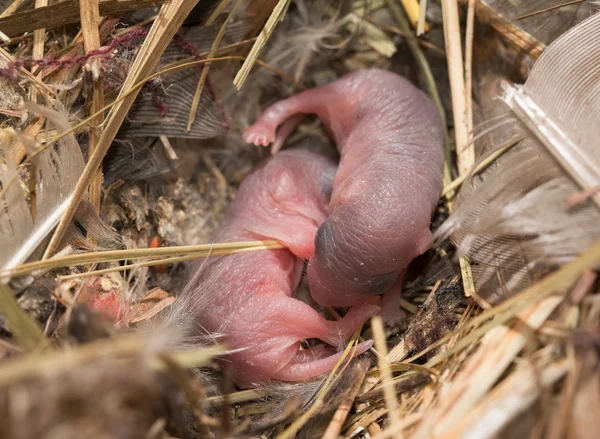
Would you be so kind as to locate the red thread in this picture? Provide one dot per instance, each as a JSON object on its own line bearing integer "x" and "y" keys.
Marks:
{"x": 162, "y": 107}
{"x": 10, "y": 71}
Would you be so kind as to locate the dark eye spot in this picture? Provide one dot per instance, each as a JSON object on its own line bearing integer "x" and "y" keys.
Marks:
{"x": 324, "y": 240}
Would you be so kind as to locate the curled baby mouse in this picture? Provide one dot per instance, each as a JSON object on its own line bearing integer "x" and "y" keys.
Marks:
{"x": 247, "y": 298}
{"x": 390, "y": 139}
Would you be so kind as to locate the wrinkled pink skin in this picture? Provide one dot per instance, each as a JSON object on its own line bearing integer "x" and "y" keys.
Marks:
{"x": 390, "y": 139}
{"x": 247, "y": 297}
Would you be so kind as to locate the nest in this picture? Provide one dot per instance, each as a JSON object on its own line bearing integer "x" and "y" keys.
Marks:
{"x": 121, "y": 150}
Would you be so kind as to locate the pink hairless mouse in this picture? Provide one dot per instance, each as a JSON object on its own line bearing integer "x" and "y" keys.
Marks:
{"x": 390, "y": 139}
{"x": 247, "y": 297}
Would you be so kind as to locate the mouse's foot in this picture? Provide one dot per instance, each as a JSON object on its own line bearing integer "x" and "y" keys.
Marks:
{"x": 260, "y": 134}
{"x": 300, "y": 369}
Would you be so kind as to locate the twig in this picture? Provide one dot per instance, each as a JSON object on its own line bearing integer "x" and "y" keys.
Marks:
{"x": 39, "y": 37}
{"x": 64, "y": 12}
{"x": 469, "y": 34}
{"x": 389, "y": 392}
{"x": 466, "y": 156}
{"x": 422, "y": 16}
{"x": 90, "y": 20}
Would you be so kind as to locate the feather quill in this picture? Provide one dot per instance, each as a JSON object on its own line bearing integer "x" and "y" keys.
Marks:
{"x": 514, "y": 220}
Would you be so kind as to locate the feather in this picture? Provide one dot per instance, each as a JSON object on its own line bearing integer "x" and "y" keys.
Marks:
{"x": 56, "y": 171}
{"x": 513, "y": 220}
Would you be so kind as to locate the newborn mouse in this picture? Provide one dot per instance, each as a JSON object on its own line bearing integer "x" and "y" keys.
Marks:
{"x": 390, "y": 139}
{"x": 247, "y": 298}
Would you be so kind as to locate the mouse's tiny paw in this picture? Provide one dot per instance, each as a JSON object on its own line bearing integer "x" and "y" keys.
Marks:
{"x": 259, "y": 134}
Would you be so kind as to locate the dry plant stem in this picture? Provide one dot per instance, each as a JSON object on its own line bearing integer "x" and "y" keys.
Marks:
{"x": 515, "y": 35}
{"x": 275, "y": 17}
{"x": 90, "y": 20}
{"x": 65, "y": 12}
{"x": 556, "y": 283}
{"x": 466, "y": 156}
{"x": 119, "y": 255}
{"x": 582, "y": 196}
{"x": 165, "y": 26}
{"x": 25, "y": 330}
{"x": 389, "y": 391}
{"x": 397, "y": 428}
{"x": 12, "y": 8}
{"x": 237, "y": 397}
{"x": 469, "y": 34}
{"x": 422, "y": 15}
{"x": 336, "y": 424}
{"x": 206, "y": 67}
{"x": 39, "y": 37}
{"x": 218, "y": 11}
{"x": 510, "y": 398}
{"x": 170, "y": 261}
{"x": 500, "y": 346}
{"x": 18, "y": 150}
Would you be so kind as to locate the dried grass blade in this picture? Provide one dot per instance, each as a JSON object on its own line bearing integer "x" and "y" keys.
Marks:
{"x": 25, "y": 330}
{"x": 498, "y": 350}
{"x": 170, "y": 261}
{"x": 389, "y": 391}
{"x": 119, "y": 255}
{"x": 422, "y": 15}
{"x": 275, "y": 17}
{"x": 90, "y": 21}
{"x": 466, "y": 156}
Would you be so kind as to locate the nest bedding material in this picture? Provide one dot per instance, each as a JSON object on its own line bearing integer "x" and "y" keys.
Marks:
{"x": 512, "y": 360}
